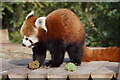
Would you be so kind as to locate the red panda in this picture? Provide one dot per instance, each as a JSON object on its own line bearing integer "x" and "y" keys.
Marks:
{"x": 59, "y": 31}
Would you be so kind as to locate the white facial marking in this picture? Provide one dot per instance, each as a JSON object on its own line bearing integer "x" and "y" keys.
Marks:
{"x": 30, "y": 14}
{"x": 33, "y": 38}
{"x": 28, "y": 41}
{"x": 40, "y": 22}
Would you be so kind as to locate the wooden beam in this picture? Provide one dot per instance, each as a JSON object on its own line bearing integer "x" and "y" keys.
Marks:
{"x": 108, "y": 70}
{"x": 18, "y": 72}
{"x": 57, "y": 73}
{"x": 95, "y": 69}
{"x": 38, "y": 73}
{"x": 9, "y": 66}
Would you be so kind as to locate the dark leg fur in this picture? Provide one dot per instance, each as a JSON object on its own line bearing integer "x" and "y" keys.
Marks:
{"x": 75, "y": 52}
{"x": 57, "y": 50}
{"x": 39, "y": 53}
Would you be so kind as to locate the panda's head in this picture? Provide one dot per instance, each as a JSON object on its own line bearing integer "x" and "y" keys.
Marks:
{"x": 31, "y": 29}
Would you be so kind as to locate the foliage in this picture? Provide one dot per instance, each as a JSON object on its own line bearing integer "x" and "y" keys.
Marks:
{"x": 99, "y": 19}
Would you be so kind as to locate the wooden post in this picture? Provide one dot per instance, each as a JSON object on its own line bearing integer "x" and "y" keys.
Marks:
{"x": 4, "y": 37}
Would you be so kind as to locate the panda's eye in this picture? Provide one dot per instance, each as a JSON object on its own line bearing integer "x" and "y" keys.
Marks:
{"x": 40, "y": 22}
{"x": 26, "y": 38}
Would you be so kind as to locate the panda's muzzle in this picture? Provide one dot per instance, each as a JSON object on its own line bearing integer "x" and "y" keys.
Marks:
{"x": 32, "y": 44}
{"x": 31, "y": 41}
{"x": 23, "y": 45}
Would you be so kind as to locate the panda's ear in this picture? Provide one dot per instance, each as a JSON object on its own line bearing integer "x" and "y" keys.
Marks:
{"x": 41, "y": 23}
{"x": 30, "y": 14}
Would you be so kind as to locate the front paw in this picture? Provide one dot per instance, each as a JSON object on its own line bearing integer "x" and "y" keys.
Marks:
{"x": 53, "y": 64}
{"x": 77, "y": 63}
{"x": 48, "y": 64}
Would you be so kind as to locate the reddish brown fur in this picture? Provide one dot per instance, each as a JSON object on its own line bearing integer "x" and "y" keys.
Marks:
{"x": 102, "y": 54}
{"x": 62, "y": 24}
{"x": 28, "y": 26}
{"x": 65, "y": 25}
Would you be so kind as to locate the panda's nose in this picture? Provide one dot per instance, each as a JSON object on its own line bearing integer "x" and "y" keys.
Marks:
{"x": 23, "y": 45}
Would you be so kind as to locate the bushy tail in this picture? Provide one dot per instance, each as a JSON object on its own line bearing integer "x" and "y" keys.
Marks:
{"x": 101, "y": 54}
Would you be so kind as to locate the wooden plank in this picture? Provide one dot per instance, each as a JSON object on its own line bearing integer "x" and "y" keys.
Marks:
{"x": 60, "y": 73}
{"x": 45, "y": 73}
{"x": 7, "y": 64}
{"x": 18, "y": 72}
{"x": 57, "y": 73}
{"x": 51, "y": 73}
{"x": 118, "y": 77}
{"x": 15, "y": 55}
{"x": 3, "y": 73}
{"x": 85, "y": 70}
{"x": 14, "y": 68}
{"x": 106, "y": 71}
{"x": 9, "y": 47}
{"x": 38, "y": 73}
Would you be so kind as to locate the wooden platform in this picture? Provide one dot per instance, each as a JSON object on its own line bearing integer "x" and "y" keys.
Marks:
{"x": 12, "y": 69}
